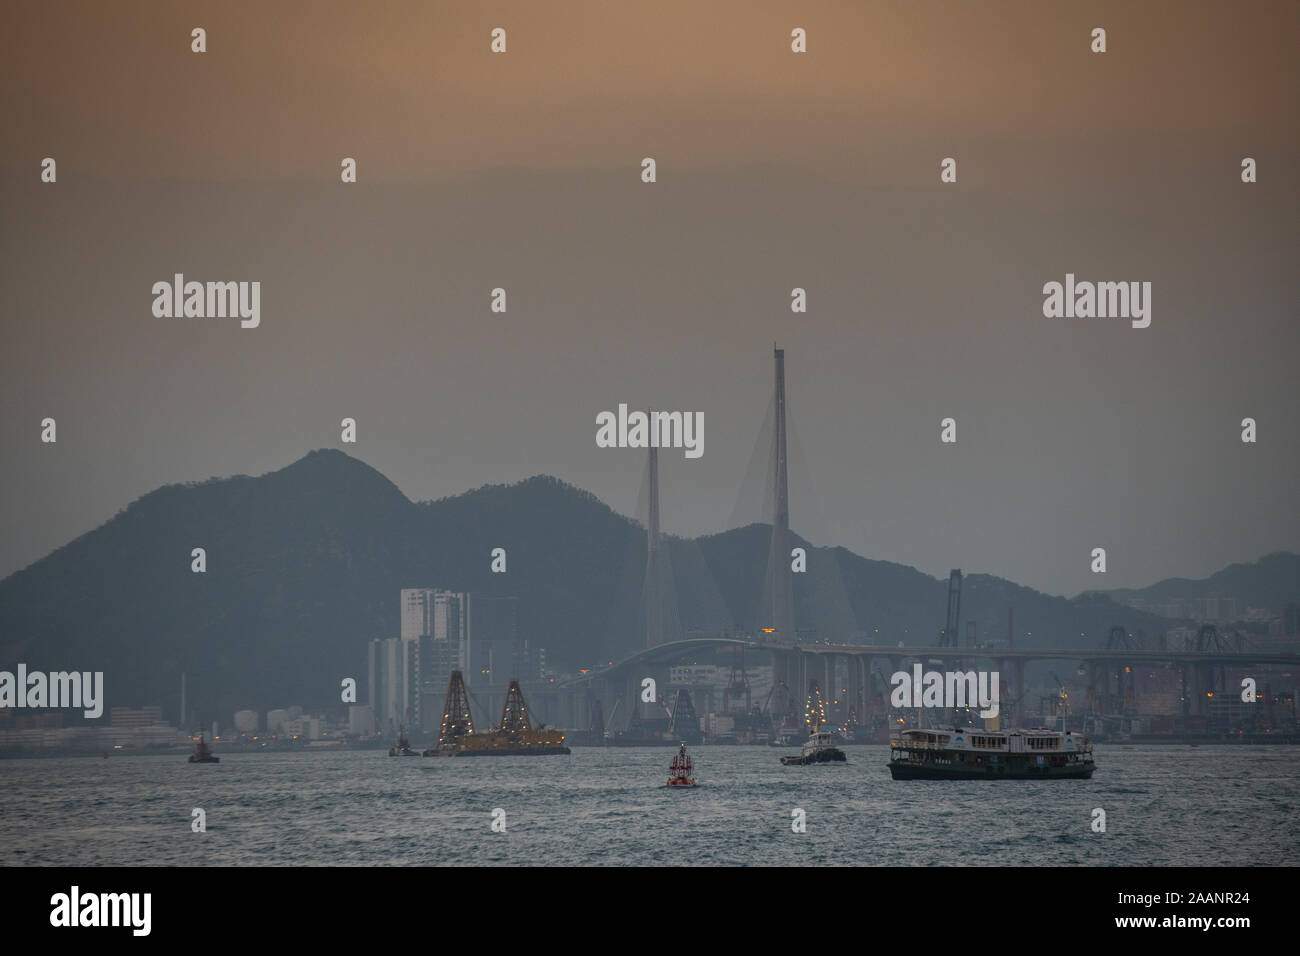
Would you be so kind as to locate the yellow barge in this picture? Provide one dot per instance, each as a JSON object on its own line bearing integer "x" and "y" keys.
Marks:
{"x": 513, "y": 736}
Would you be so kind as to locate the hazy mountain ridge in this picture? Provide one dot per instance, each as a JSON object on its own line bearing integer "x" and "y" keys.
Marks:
{"x": 304, "y": 565}
{"x": 1271, "y": 582}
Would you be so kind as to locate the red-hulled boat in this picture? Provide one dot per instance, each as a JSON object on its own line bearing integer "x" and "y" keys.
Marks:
{"x": 680, "y": 770}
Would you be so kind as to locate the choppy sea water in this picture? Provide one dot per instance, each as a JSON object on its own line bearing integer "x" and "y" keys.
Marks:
{"x": 1165, "y": 806}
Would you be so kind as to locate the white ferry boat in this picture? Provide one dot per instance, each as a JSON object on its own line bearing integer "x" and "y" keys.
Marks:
{"x": 968, "y": 753}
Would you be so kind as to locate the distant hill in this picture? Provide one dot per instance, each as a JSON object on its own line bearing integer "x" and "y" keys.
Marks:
{"x": 1271, "y": 582}
{"x": 304, "y": 566}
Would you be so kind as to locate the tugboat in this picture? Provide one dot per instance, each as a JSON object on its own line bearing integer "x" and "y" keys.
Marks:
{"x": 970, "y": 754}
{"x": 403, "y": 748}
{"x": 818, "y": 748}
{"x": 680, "y": 770}
{"x": 202, "y": 753}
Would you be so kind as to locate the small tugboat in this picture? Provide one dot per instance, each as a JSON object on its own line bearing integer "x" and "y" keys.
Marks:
{"x": 679, "y": 771}
{"x": 972, "y": 754}
{"x": 818, "y": 748}
{"x": 202, "y": 753}
{"x": 403, "y": 748}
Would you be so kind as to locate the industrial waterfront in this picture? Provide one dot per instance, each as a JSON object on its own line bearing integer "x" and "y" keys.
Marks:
{"x": 1165, "y": 805}
{"x": 1187, "y": 670}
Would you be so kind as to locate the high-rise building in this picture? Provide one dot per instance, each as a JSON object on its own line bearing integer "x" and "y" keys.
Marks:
{"x": 526, "y": 661}
{"x": 417, "y": 612}
{"x": 361, "y": 720}
{"x": 387, "y": 683}
{"x": 435, "y": 640}
{"x": 451, "y": 623}
{"x": 443, "y": 615}
{"x": 429, "y": 663}
{"x": 496, "y": 650}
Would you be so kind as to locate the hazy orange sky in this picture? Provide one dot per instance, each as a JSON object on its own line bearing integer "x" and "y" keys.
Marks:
{"x": 412, "y": 89}
{"x": 775, "y": 170}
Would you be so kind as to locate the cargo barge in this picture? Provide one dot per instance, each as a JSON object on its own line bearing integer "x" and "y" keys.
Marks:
{"x": 515, "y": 736}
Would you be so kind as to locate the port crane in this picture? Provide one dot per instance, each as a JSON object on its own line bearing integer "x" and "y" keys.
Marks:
{"x": 951, "y": 636}
{"x": 778, "y": 710}
{"x": 815, "y": 713}
{"x": 682, "y": 721}
{"x": 1060, "y": 704}
{"x": 737, "y": 687}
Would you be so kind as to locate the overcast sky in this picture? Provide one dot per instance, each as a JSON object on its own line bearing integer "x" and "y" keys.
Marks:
{"x": 775, "y": 170}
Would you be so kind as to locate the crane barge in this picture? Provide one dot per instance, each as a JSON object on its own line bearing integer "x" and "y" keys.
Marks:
{"x": 514, "y": 736}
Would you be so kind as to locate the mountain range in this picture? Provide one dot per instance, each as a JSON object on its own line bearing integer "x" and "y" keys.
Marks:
{"x": 1271, "y": 582}
{"x": 304, "y": 566}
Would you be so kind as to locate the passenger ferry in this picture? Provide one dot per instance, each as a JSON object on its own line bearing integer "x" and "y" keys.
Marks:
{"x": 973, "y": 754}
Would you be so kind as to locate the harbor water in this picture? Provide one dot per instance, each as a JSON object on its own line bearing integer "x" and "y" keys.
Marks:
{"x": 1164, "y": 806}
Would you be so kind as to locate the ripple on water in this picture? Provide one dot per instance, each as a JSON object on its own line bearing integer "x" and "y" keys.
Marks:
{"x": 609, "y": 806}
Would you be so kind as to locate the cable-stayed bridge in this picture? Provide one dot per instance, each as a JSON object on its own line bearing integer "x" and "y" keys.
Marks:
{"x": 854, "y": 675}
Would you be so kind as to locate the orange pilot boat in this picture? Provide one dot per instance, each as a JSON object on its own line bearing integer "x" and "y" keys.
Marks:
{"x": 680, "y": 770}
